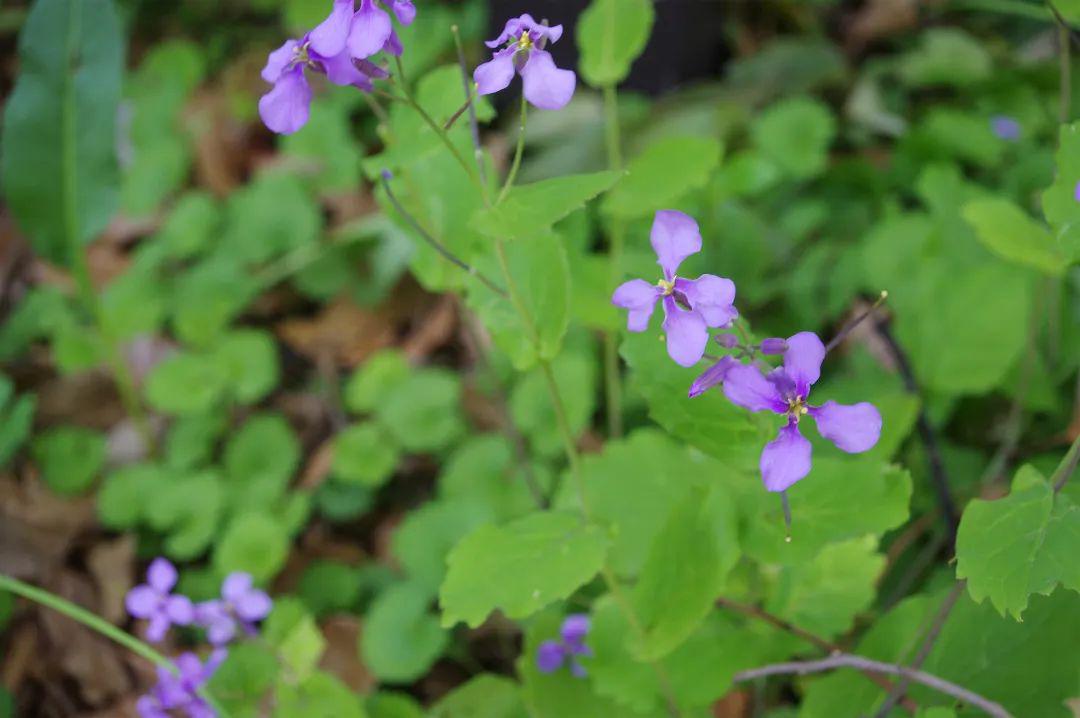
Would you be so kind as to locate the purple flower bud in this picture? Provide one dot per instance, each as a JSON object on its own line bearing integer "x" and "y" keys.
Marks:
{"x": 712, "y": 376}
{"x": 550, "y": 656}
{"x": 773, "y": 345}
{"x": 728, "y": 341}
{"x": 575, "y": 628}
{"x": 1076, "y": 192}
{"x": 1005, "y": 127}
{"x": 387, "y": 175}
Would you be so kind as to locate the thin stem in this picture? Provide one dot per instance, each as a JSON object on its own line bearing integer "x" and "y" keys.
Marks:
{"x": 474, "y": 124}
{"x": 1017, "y": 8}
{"x": 519, "y": 150}
{"x": 1064, "y": 66}
{"x": 932, "y": 633}
{"x": 449, "y": 124}
{"x": 435, "y": 244}
{"x": 100, "y": 625}
{"x": 1067, "y": 466}
{"x": 616, "y": 239}
{"x": 850, "y": 326}
{"x": 846, "y": 660}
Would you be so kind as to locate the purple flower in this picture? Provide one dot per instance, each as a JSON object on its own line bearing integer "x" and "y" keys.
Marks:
{"x": 691, "y": 306}
{"x": 1076, "y": 191}
{"x": 553, "y": 654}
{"x": 179, "y": 691}
{"x": 154, "y": 602}
{"x": 286, "y": 107}
{"x": 1005, "y": 127}
{"x": 546, "y": 86}
{"x": 241, "y": 604}
{"x": 785, "y": 390}
{"x": 363, "y": 32}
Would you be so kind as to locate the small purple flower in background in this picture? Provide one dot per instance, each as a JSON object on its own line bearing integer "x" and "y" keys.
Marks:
{"x": 1076, "y": 191}
{"x": 553, "y": 654}
{"x": 154, "y": 602}
{"x": 180, "y": 691}
{"x": 1005, "y": 127}
{"x": 545, "y": 85}
{"x": 241, "y": 604}
{"x": 691, "y": 306}
{"x": 785, "y": 390}
{"x": 363, "y": 32}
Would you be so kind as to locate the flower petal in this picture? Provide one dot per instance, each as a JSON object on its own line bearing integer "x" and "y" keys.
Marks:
{"x": 639, "y": 297}
{"x": 285, "y": 109}
{"x": 746, "y": 386}
{"x": 853, "y": 428}
{"x": 157, "y": 628}
{"x": 575, "y": 628}
{"x": 802, "y": 360}
{"x": 278, "y": 60}
{"x": 253, "y": 605}
{"x": 712, "y": 376}
{"x": 371, "y": 27}
{"x": 550, "y": 656}
{"x": 512, "y": 28}
{"x": 221, "y": 631}
{"x": 546, "y": 86}
{"x": 235, "y": 585}
{"x": 496, "y": 73}
{"x": 161, "y": 575}
{"x": 340, "y": 70}
{"x": 328, "y": 38}
{"x": 180, "y": 610}
{"x": 785, "y": 459}
{"x": 405, "y": 11}
{"x": 675, "y": 236}
{"x": 686, "y": 332}
{"x": 393, "y": 44}
{"x": 712, "y": 297}
{"x": 142, "y": 601}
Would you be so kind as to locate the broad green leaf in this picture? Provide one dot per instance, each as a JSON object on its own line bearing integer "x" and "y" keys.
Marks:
{"x": 320, "y": 695}
{"x": 540, "y": 270}
{"x": 519, "y": 567}
{"x": 946, "y": 132}
{"x": 365, "y": 455}
{"x": 1059, "y": 200}
{"x": 329, "y": 587}
{"x": 528, "y": 211}
{"x": 326, "y": 153}
{"x": 208, "y": 297}
{"x": 664, "y": 172}
{"x": 190, "y": 228}
{"x": 248, "y": 672}
{"x": 59, "y": 167}
{"x": 132, "y": 304}
{"x": 945, "y": 56}
{"x": 69, "y": 457}
{"x": 485, "y": 468}
{"x": 252, "y": 542}
{"x": 427, "y": 535}
{"x": 424, "y": 412}
{"x": 693, "y": 550}
{"x": 825, "y": 594}
{"x": 125, "y": 492}
{"x": 260, "y": 458}
{"x": 610, "y": 35}
{"x": 266, "y": 218}
{"x": 531, "y": 406}
{"x": 186, "y": 384}
{"x": 401, "y": 637}
{"x": 250, "y": 361}
{"x": 1022, "y": 544}
{"x": 187, "y": 508}
{"x": 393, "y": 704}
{"x": 192, "y": 440}
{"x": 16, "y": 419}
{"x": 795, "y": 134}
{"x": 484, "y": 696}
{"x": 374, "y": 380}
{"x": 292, "y": 631}
{"x": 1009, "y": 233}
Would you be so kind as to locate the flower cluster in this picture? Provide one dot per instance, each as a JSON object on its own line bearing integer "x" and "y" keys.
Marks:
{"x": 693, "y": 306}
{"x": 241, "y": 606}
{"x": 544, "y": 85}
{"x": 553, "y": 654}
{"x": 339, "y": 47}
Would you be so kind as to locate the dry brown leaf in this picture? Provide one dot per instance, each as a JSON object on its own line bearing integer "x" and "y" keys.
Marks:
{"x": 341, "y": 330}
{"x": 733, "y": 705}
{"x": 110, "y": 565}
{"x": 433, "y": 331}
{"x": 341, "y": 657}
{"x": 37, "y": 527}
{"x": 879, "y": 19}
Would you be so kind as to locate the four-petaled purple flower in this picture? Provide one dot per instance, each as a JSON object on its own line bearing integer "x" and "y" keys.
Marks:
{"x": 545, "y": 85}
{"x": 553, "y": 654}
{"x": 362, "y": 33}
{"x": 785, "y": 390}
{"x": 691, "y": 306}
{"x": 1005, "y": 127}
{"x": 180, "y": 691}
{"x": 241, "y": 604}
{"x": 154, "y": 601}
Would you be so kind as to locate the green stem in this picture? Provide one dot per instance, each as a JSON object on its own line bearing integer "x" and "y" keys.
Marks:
{"x": 98, "y": 624}
{"x": 518, "y": 152}
{"x": 1065, "y": 61}
{"x": 1067, "y": 466}
{"x": 617, "y": 233}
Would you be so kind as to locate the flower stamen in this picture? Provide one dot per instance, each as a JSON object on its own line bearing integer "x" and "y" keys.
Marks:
{"x": 667, "y": 287}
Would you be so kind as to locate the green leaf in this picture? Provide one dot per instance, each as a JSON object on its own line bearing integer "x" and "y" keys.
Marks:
{"x": 188, "y": 508}
{"x": 254, "y": 543}
{"x": 248, "y": 672}
{"x": 260, "y": 458}
{"x": 945, "y": 56}
{"x": 1009, "y": 233}
{"x": 125, "y": 492}
{"x": 610, "y": 35}
{"x": 693, "y": 550}
{"x": 132, "y": 304}
{"x": 329, "y": 587}
{"x": 424, "y": 539}
{"x": 401, "y": 637}
{"x": 326, "y": 152}
{"x": 541, "y": 271}
{"x": 186, "y": 384}
{"x": 484, "y": 468}
{"x": 192, "y": 440}
{"x": 483, "y": 696}
{"x": 391, "y": 704}
{"x": 293, "y": 632}
{"x": 529, "y": 211}
{"x": 365, "y": 455}
{"x": 70, "y": 458}
{"x": 1022, "y": 544}
{"x": 16, "y": 419}
{"x": 825, "y": 594}
{"x": 424, "y": 412}
{"x": 320, "y": 695}
{"x": 376, "y": 379}
{"x": 268, "y": 217}
{"x": 795, "y": 134}
{"x": 190, "y": 227}
{"x": 531, "y": 406}
{"x": 208, "y": 297}
{"x": 1059, "y": 200}
{"x": 519, "y": 567}
{"x": 59, "y": 167}
{"x": 664, "y": 172}
{"x": 250, "y": 362}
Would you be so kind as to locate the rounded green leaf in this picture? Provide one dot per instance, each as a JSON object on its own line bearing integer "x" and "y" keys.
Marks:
{"x": 249, "y": 359}
{"x": 610, "y": 35}
{"x": 69, "y": 457}
{"x": 254, "y": 543}
{"x": 186, "y": 384}
{"x": 664, "y": 172}
{"x": 424, "y": 413}
{"x": 401, "y": 637}
{"x": 375, "y": 379}
{"x": 364, "y": 455}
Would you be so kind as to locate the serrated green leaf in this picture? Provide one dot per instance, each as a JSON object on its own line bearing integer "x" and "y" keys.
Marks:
{"x": 529, "y": 211}
{"x": 519, "y": 567}
{"x": 610, "y": 35}
{"x": 1009, "y": 233}
{"x": 664, "y": 172}
{"x": 401, "y": 637}
{"x": 424, "y": 539}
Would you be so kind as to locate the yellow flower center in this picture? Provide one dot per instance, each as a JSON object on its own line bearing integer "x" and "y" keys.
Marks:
{"x": 668, "y": 287}
{"x": 524, "y": 42}
{"x": 796, "y": 408}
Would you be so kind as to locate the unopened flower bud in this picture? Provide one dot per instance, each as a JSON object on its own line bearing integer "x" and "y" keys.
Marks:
{"x": 728, "y": 341}
{"x": 773, "y": 345}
